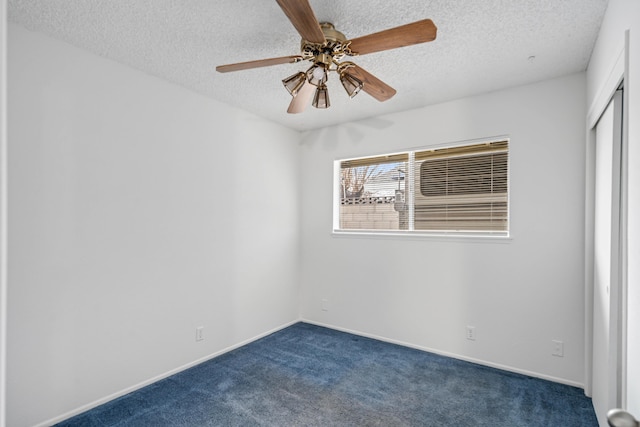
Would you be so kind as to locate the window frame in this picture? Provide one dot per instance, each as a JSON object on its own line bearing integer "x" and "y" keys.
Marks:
{"x": 444, "y": 235}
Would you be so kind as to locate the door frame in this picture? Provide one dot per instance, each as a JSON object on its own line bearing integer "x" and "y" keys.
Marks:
{"x": 617, "y": 76}
{"x": 3, "y": 211}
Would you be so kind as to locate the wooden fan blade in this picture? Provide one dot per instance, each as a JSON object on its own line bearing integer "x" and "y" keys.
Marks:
{"x": 303, "y": 98}
{"x": 303, "y": 19}
{"x": 257, "y": 64}
{"x": 405, "y": 35}
{"x": 373, "y": 85}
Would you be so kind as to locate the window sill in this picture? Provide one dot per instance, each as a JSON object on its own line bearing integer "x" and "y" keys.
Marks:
{"x": 441, "y": 237}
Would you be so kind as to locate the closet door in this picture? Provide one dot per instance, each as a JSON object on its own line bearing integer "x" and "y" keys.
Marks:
{"x": 606, "y": 385}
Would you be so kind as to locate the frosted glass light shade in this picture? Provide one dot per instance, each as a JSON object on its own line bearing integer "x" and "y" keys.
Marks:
{"x": 351, "y": 84}
{"x": 321, "y": 98}
{"x": 317, "y": 75}
{"x": 294, "y": 83}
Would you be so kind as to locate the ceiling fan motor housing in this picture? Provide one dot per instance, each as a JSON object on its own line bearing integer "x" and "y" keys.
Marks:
{"x": 335, "y": 48}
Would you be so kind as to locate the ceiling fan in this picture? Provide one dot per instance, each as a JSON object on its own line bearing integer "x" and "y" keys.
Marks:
{"x": 325, "y": 48}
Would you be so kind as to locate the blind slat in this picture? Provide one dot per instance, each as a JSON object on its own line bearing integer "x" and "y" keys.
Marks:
{"x": 378, "y": 160}
{"x": 464, "y": 150}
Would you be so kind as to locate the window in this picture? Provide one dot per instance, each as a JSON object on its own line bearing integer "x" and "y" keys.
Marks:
{"x": 461, "y": 189}
{"x": 372, "y": 193}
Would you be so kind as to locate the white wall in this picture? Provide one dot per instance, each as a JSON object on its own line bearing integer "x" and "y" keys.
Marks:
{"x": 622, "y": 16}
{"x": 520, "y": 294}
{"x": 137, "y": 211}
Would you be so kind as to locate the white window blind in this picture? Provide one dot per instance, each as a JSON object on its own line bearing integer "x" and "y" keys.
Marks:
{"x": 462, "y": 188}
{"x": 459, "y": 189}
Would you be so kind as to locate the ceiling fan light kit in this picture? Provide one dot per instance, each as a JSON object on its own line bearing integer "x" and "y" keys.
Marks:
{"x": 317, "y": 74}
{"x": 321, "y": 98}
{"x": 294, "y": 82}
{"x": 351, "y": 84}
{"x": 325, "y": 47}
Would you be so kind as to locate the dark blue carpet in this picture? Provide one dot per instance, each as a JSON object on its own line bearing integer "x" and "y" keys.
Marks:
{"x": 306, "y": 375}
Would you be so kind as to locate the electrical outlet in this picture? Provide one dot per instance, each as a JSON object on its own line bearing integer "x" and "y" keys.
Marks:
{"x": 199, "y": 333}
{"x": 558, "y": 348}
{"x": 471, "y": 333}
{"x": 324, "y": 305}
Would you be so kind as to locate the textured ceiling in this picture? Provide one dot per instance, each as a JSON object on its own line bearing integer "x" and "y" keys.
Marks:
{"x": 481, "y": 46}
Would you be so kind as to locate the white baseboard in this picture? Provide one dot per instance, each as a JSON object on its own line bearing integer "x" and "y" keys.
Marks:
{"x": 145, "y": 383}
{"x": 447, "y": 354}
